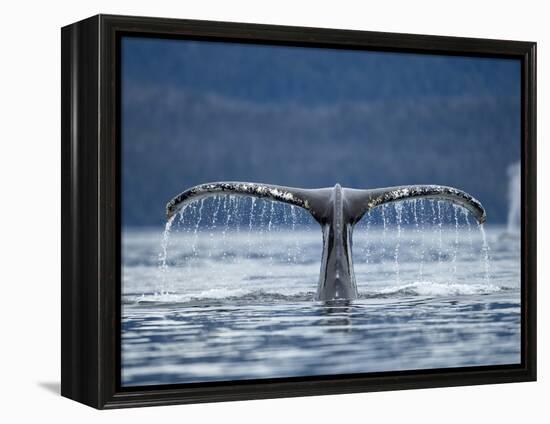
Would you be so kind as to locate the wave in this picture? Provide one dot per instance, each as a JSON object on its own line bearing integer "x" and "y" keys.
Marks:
{"x": 432, "y": 289}
{"x": 243, "y": 295}
{"x": 218, "y": 295}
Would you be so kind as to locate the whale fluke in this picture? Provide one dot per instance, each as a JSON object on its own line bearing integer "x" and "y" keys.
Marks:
{"x": 337, "y": 210}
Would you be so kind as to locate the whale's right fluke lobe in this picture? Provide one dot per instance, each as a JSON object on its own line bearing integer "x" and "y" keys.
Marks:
{"x": 361, "y": 201}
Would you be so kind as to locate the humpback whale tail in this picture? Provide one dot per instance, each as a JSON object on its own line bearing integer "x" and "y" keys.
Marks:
{"x": 337, "y": 210}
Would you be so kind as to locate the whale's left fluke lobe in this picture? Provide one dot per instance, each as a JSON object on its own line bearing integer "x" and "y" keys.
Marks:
{"x": 294, "y": 196}
{"x": 337, "y": 210}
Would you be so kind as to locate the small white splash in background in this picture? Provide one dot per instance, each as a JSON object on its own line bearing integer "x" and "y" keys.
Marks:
{"x": 514, "y": 198}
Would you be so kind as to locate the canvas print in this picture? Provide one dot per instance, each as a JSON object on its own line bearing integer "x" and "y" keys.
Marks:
{"x": 295, "y": 212}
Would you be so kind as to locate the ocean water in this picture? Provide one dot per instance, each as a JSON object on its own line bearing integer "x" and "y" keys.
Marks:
{"x": 224, "y": 298}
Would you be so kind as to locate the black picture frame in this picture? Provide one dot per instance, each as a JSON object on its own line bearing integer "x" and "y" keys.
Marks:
{"x": 90, "y": 182}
